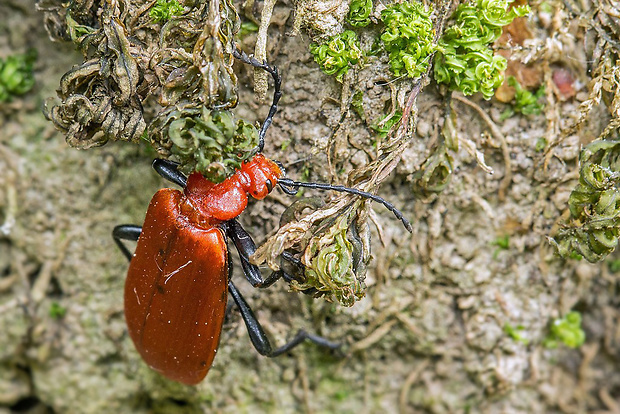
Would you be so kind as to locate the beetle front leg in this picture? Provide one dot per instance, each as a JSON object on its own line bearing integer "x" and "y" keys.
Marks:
{"x": 169, "y": 171}
{"x": 259, "y": 337}
{"x": 126, "y": 232}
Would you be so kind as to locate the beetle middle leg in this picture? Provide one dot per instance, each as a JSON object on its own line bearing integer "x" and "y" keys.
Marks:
{"x": 259, "y": 338}
{"x": 126, "y": 232}
{"x": 246, "y": 247}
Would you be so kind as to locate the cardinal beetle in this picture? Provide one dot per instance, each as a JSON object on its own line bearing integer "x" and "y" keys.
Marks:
{"x": 179, "y": 276}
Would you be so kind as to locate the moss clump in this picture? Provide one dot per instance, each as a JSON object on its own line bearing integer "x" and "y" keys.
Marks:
{"x": 359, "y": 13}
{"x": 566, "y": 330}
{"x": 16, "y": 76}
{"x": 593, "y": 228}
{"x": 163, "y": 10}
{"x": 465, "y": 60}
{"x": 338, "y": 54}
{"x": 408, "y": 37}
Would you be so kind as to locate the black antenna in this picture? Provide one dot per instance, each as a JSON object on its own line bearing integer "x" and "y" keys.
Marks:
{"x": 290, "y": 187}
{"x": 277, "y": 92}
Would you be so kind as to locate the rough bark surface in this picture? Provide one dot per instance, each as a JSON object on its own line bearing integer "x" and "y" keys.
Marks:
{"x": 428, "y": 337}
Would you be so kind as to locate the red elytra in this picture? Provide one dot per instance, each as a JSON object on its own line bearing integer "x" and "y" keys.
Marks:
{"x": 177, "y": 284}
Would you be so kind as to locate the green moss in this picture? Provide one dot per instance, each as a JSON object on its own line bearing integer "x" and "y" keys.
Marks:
{"x": 16, "y": 75}
{"x": 57, "y": 311}
{"x": 514, "y": 332}
{"x": 541, "y": 144}
{"x": 213, "y": 143}
{"x": 359, "y": 13}
{"x": 614, "y": 265}
{"x": 465, "y": 61}
{"x": 330, "y": 269}
{"x": 163, "y": 10}
{"x": 408, "y": 37}
{"x": 566, "y": 330}
{"x": 338, "y": 54}
{"x": 502, "y": 243}
{"x": 526, "y": 102}
{"x": 593, "y": 228}
{"x": 383, "y": 126}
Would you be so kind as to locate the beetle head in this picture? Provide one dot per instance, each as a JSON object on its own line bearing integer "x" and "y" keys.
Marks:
{"x": 263, "y": 174}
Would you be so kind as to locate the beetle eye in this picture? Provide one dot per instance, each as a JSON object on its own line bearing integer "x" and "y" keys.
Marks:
{"x": 269, "y": 185}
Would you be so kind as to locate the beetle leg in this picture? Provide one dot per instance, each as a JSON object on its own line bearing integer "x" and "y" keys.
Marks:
{"x": 246, "y": 247}
{"x": 259, "y": 337}
{"x": 277, "y": 93}
{"x": 126, "y": 232}
{"x": 169, "y": 170}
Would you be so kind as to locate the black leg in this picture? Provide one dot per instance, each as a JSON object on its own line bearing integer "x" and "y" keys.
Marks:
{"x": 126, "y": 232}
{"x": 277, "y": 93}
{"x": 169, "y": 170}
{"x": 245, "y": 246}
{"x": 259, "y": 337}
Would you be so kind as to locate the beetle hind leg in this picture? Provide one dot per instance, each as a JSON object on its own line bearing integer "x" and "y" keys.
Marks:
{"x": 126, "y": 232}
{"x": 259, "y": 337}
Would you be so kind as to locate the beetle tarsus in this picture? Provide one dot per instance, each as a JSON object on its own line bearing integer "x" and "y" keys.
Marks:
{"x": 259, "y": 338}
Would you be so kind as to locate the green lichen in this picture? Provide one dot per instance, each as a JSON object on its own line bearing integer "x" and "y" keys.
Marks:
{"x": 566, "y": 330}
{"x": 210, "y": 142}
{"x": 465, "y": 61}
{"x": 338, "y": 54}
{"x": 359, "y": 13}
{"x": 16, "y": 75}
{"x": 408, "y": 37}
{"x": 593, "y": 228}
{"x": 163, "y": 10}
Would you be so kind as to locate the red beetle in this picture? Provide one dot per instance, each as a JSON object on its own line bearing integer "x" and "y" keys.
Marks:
{"x": 179, "y": 276}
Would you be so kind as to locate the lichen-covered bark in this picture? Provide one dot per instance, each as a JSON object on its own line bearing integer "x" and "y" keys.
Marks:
{"x": 430, "y": 335}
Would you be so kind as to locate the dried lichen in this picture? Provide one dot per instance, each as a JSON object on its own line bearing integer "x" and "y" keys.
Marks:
{"x": 144, "y": 62}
